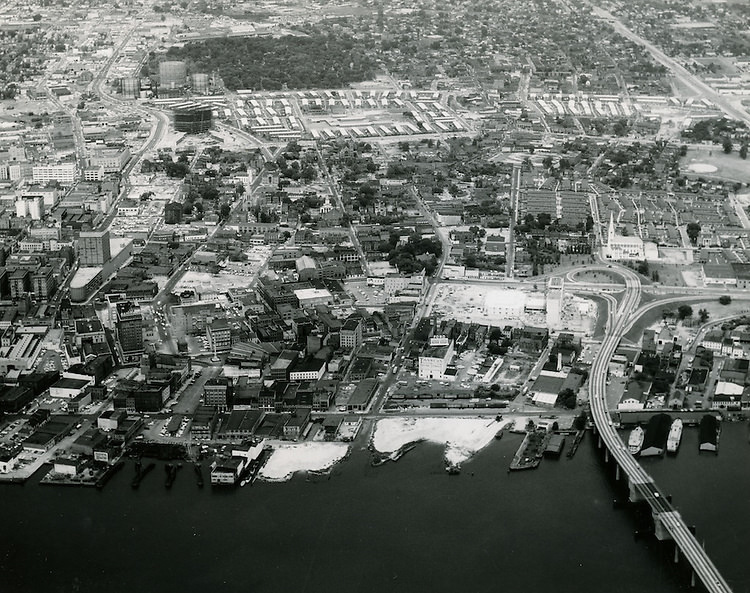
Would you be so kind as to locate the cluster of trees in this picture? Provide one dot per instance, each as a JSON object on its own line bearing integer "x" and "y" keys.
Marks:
{"x": 410, "y": 258}
{"x": 632, "y": 161}
{"x": 715, "y": 130}
{"x": 598, "y": 127}
{"x": 264, "y": 215}
{"x": 297, "y": 170}
{"x": 315, "y": 61}
{"x": 498, "y": 345}
{"x": 693, "y": 231}
{"x": 644, "y": 269}
{"x": 399, "y": 170}
{"x": 22, "y": 57}
{"x": 353, "y": 161}
{"x": 542, "y": 221}
{"x": 727, "y": 146}
{"x": 487, "y": 208}
{"x": 686, "y": 312}
{"x": 567, "y": 399}
{"x": 484, "y": 262}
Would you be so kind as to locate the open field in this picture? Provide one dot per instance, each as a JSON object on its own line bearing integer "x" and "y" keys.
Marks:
{"x": 710, "y": 161}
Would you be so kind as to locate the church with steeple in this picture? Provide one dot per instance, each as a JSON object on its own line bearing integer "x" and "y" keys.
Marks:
{"x": 619, "y": 247}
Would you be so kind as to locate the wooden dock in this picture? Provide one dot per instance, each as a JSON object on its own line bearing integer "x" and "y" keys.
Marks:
{"x": 576, "y": 441}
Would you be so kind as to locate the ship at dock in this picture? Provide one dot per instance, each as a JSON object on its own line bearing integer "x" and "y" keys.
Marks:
{"x": 655, "y": 440}
{"x": 675, "y": 437}
{"x": 708, "y": 434}
{"x": 635, "y": 442}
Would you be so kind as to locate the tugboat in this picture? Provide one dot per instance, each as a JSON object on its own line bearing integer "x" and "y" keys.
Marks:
{"x": 675, "y": 436}
{"x": 635, "y": 442}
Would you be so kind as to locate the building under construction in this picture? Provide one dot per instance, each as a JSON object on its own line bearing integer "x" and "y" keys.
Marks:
{"x": 192, "y": 117}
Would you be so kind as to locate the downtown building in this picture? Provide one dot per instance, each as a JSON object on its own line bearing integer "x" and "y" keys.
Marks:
{"x": 129, "y": 328}
{"x": 94, "y": 248}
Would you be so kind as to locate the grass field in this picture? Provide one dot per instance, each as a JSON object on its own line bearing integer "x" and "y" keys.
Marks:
{"x": 728, "y": 166}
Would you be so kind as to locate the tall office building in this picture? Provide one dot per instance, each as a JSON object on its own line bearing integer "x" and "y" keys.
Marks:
{"x": 93, "y": 248}
{"x": 130, "y": 331}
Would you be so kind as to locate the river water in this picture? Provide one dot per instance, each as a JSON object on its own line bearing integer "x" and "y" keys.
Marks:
{"x": 401, "y": 527}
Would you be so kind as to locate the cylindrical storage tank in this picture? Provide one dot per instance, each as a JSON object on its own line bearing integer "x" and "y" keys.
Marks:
{"x": 172, "y": 74}
{"x": 192, "y": 119}
{"x": 131, "y": 87}
{"x": 199, "y": 82}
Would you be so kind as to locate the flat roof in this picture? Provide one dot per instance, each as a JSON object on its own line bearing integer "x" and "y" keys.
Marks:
{"x": 117, "y": 244}
{"x": 68, "y": 383}
{"x": 363, "y": 392}
{"x": 85, "y": 275}
{"x": 548, "y": 384}
{"x": 312, "y": 293}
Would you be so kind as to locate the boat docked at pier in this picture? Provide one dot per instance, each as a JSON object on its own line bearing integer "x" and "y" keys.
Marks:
{"x": 675, "y": 436}
{"x": 635, "y": 442}
{"x": 708, "y": 434}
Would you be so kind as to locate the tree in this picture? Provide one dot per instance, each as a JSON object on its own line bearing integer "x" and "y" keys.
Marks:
{"x": 643, "y": 268}
{"x": 683, "y": 150}
{"x": 567, "y": 398}
{"x": 703, "y": 315}
{"x": 725, "y": 299}
{"x": 726, "y": 145}
{"x": 224, "y": 211}
{"x": 544, "y": 219}
{"x": 743, "y": 151}
{"x": 309, "y": 173}
{"x": 684, "y": 311}
{"x": 693, "y": 230}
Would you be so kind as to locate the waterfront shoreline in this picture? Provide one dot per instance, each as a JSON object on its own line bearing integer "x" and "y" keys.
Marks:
{"x": 462, "y": 438}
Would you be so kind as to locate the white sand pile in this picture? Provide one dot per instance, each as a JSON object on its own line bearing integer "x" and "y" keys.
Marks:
{"x": 313, "y": 456}
{"x": 462, "y": 437}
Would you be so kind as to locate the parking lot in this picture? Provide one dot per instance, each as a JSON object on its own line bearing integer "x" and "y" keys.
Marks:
{"x": 367, "y": 296}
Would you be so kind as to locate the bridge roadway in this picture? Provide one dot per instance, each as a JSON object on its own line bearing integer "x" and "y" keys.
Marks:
{"x": 642, "y": 486}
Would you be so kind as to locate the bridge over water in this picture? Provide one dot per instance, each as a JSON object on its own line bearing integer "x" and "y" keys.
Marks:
{"x": 668, "y": 523}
